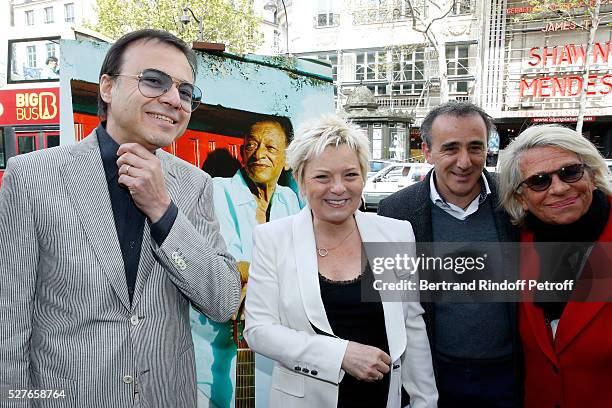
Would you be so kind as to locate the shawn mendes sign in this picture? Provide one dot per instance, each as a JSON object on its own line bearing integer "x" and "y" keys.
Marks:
{"x": 558, "y": 84}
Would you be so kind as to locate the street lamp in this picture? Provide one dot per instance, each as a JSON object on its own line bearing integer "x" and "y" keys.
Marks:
{"x": 185, "y": 19}
{"x": 272, "y": 6}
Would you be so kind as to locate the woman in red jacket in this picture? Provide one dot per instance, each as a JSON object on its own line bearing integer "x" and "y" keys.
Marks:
{"x": 553, "y": 183}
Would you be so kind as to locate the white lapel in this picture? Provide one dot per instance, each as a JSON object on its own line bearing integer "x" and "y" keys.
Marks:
{"x": 371, "y": 231}
{"x": 304, "y": 247}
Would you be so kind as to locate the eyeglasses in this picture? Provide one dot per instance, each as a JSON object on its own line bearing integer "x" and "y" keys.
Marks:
{"x": 153, "y": 83}
{"x": 542, "y": 181}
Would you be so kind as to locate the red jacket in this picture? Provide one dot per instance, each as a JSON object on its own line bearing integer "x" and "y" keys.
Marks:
{"x": 574, "y": 371}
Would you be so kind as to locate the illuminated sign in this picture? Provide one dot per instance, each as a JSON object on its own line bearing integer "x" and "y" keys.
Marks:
{"x": 547, "y": 87}
{"x": 29, "y": 106}
{"x": 566, "y": 84}
{"x": 560, "y": 26}
{"x": 552, "y": 7}
{"x": 569, "y": 54}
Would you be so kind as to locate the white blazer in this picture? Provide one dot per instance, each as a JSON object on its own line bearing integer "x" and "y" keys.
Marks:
{"x": 284, "y": 303}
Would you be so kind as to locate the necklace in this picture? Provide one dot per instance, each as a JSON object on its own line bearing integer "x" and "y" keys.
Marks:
{"x": 323, "y": 252}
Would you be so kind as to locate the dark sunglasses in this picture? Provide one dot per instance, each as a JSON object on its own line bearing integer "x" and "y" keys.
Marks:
{"x": 567, "y": 174}
{"x": 153, "y": 83}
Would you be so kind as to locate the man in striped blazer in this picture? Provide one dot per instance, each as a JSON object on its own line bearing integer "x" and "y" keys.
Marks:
{"x": 105, "y": 244}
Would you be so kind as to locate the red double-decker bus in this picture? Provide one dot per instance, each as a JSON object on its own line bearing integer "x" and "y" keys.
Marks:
{"x": 193, "y": 146}
{"x": 29, "y": 120}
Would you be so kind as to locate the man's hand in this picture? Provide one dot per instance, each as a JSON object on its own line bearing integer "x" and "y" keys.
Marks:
{"x": 140, "y": 171}
{"x": 366, "y": 363}
{"x": 243, "y": 268}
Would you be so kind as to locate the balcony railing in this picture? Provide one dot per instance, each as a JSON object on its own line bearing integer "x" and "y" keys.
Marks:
{"x": 414, "y": 101}
{"x": 400, "y": 102}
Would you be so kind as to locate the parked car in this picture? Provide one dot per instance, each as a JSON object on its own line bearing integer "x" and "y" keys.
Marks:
{"x": 392, "y": 179}
{"x": 378, "y": 165}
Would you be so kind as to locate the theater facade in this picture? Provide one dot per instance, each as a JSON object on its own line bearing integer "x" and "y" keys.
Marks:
{"x": 533, "y": 69}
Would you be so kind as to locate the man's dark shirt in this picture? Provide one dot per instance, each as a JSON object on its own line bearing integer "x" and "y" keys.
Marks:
{"x": 129, "y": 220}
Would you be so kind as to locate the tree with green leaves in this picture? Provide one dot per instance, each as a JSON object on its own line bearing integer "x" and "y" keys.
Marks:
{"x": 585, "y": 14}
{"x": 231, "y": 22}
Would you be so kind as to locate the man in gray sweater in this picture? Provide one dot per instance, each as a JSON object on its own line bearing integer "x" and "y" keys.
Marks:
{"x": 475, "y": 346}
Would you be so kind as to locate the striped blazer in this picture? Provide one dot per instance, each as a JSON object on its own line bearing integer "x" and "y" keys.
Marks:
{"x": 66, "y": 318}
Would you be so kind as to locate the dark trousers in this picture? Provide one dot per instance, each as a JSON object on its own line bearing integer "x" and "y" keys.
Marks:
{"x": 475, "y": 385}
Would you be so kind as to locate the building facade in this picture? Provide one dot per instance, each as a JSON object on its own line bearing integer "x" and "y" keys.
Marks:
{"x": 29, "y": 84}
{"x": 373, "y": 43}
{"x": 34, "y": 30}
{"x": 535, "y": 63}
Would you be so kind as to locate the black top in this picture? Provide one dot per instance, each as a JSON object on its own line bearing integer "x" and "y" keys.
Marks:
{"x": 129, "y": 220}
{"x": 362, "y": 322}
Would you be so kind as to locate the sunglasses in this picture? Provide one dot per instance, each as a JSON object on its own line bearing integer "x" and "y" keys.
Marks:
{"x": 567, "y": 174}
{"x": 153, "y": 83}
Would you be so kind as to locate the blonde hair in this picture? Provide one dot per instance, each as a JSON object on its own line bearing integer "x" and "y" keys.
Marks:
{"x": 312, "y": 138}
{"x": 564, "y": 138}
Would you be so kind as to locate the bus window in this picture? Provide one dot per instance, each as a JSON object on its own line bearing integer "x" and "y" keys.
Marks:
{"x": 2, "y": 156}
{"x": 52, "y": 139}
{"x": 26, "y": 143}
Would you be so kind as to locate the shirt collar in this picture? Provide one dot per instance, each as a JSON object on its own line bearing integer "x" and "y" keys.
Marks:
{"x": 108, "y": 151}
{"x": 436, "y": 198}
{"x": 243, "y": 194}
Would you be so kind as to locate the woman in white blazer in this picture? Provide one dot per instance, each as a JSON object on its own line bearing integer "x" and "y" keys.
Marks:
{"x": 303, "y": 306}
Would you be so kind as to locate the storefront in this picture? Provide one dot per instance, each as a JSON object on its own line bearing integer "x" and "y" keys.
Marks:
{"x": 543, "y": 79}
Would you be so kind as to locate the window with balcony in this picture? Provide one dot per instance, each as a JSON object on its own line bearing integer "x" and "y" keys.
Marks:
{"x": 384, "y": 11}
{"x": 370, "y": 66}
{"x": 457, "y": 59}
{"x": 48, "y": 15}
{"x": 69, "y": 12}
{"x": 457, "y": 62}
{"x": 50, "y": 49}
{"x": 459, "y": 87}
{"x": 404, "y": 9}
{"x": 407, "y": 89}
{"x": 325, "y": 15}
{"x": 462, "y": 7}
{"x": 408, "y": 71}
{"x": 31, "y": 56}
{"x": 332, "y": 59}
{"x": 29, "y": 17}
{"x": 325, "y": 20}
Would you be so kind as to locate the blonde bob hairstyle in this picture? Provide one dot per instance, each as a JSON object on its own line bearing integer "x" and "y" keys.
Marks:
{"x": 312, "y": 138}
{"x": 545, "y": 136}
